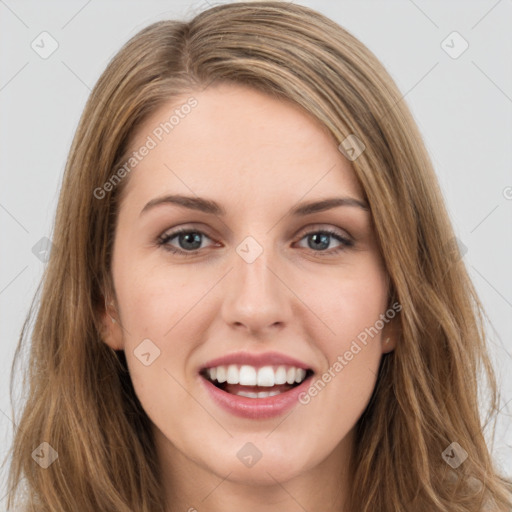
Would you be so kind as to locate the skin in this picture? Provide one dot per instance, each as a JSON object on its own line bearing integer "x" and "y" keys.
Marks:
{"x": 258, "y": 157}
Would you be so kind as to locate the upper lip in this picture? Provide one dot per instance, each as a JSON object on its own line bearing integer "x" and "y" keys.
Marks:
{"x": 256, "y": 360}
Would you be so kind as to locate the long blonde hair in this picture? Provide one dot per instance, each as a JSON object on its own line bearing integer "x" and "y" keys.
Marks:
{"x": 79, "y": 396}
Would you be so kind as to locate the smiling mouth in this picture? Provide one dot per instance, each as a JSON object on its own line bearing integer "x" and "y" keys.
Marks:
{"x": 251, "y": 382}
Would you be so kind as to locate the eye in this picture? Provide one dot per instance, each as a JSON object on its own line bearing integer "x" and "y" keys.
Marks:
{"x": 190, "y": 241}
{"x": 319, "y": 241}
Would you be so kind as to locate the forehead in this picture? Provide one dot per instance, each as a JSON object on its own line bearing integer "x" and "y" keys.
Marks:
{"x": 237, "y": 140}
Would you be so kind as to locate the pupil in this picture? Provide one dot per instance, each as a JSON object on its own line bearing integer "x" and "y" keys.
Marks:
{"x": 324, "y": 240}
{"x": 189, "y": 238}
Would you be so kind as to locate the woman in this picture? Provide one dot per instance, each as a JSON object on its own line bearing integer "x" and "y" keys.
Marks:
{"x": 253, "y": 370}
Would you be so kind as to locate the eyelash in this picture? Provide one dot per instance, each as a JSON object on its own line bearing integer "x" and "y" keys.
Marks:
{"x": 164, "y": 239}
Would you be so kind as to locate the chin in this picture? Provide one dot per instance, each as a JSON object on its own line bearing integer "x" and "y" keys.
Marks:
{"x": 258, "y": 459}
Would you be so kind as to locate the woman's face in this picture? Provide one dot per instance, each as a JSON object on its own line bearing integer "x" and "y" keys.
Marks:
{"x": 262, "y": 290}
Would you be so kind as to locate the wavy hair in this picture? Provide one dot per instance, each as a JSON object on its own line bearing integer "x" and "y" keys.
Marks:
{"x": 79, "y": 396}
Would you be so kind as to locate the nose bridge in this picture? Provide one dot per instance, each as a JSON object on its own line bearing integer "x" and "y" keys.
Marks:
{"x": 252, "y": 274}
{"x": 252, "y": 266}
{"x": 256, "y": 297}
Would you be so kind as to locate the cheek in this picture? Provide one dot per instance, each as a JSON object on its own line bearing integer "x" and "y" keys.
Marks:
{"x": 164, "y": 318}
{"x": 156, "y": 300}
{"x": 159, "y": 340}
{"x": 351, "y": 305}
{"x": 352, "y": 348}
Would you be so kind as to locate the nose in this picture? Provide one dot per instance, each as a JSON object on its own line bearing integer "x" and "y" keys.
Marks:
{"x": 257, "y": 296}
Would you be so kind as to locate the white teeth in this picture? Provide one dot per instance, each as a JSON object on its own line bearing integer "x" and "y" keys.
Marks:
{"x": 247, "y": 394}
{"x": 221, "y": 374}
{"x": 247, "y": 375}
{"x": 290, "y": 376}
{"x": 266, "y": 376}
{"x": 280, "y": 376}
{"x": 260, "y": 394}
{"x": 264, "y": 394}
{"x": 232, "y": 375}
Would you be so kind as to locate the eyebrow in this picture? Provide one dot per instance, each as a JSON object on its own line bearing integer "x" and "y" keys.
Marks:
{"x": 211, "y": 207}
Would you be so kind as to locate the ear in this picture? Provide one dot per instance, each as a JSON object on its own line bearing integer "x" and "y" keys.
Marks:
{"x": 110, "y": 328}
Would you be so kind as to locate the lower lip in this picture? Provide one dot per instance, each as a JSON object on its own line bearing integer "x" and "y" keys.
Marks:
{"x": 255, "y": 408}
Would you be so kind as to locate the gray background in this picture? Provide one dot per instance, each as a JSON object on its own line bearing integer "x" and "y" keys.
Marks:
{"x": 462, "y": 105}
